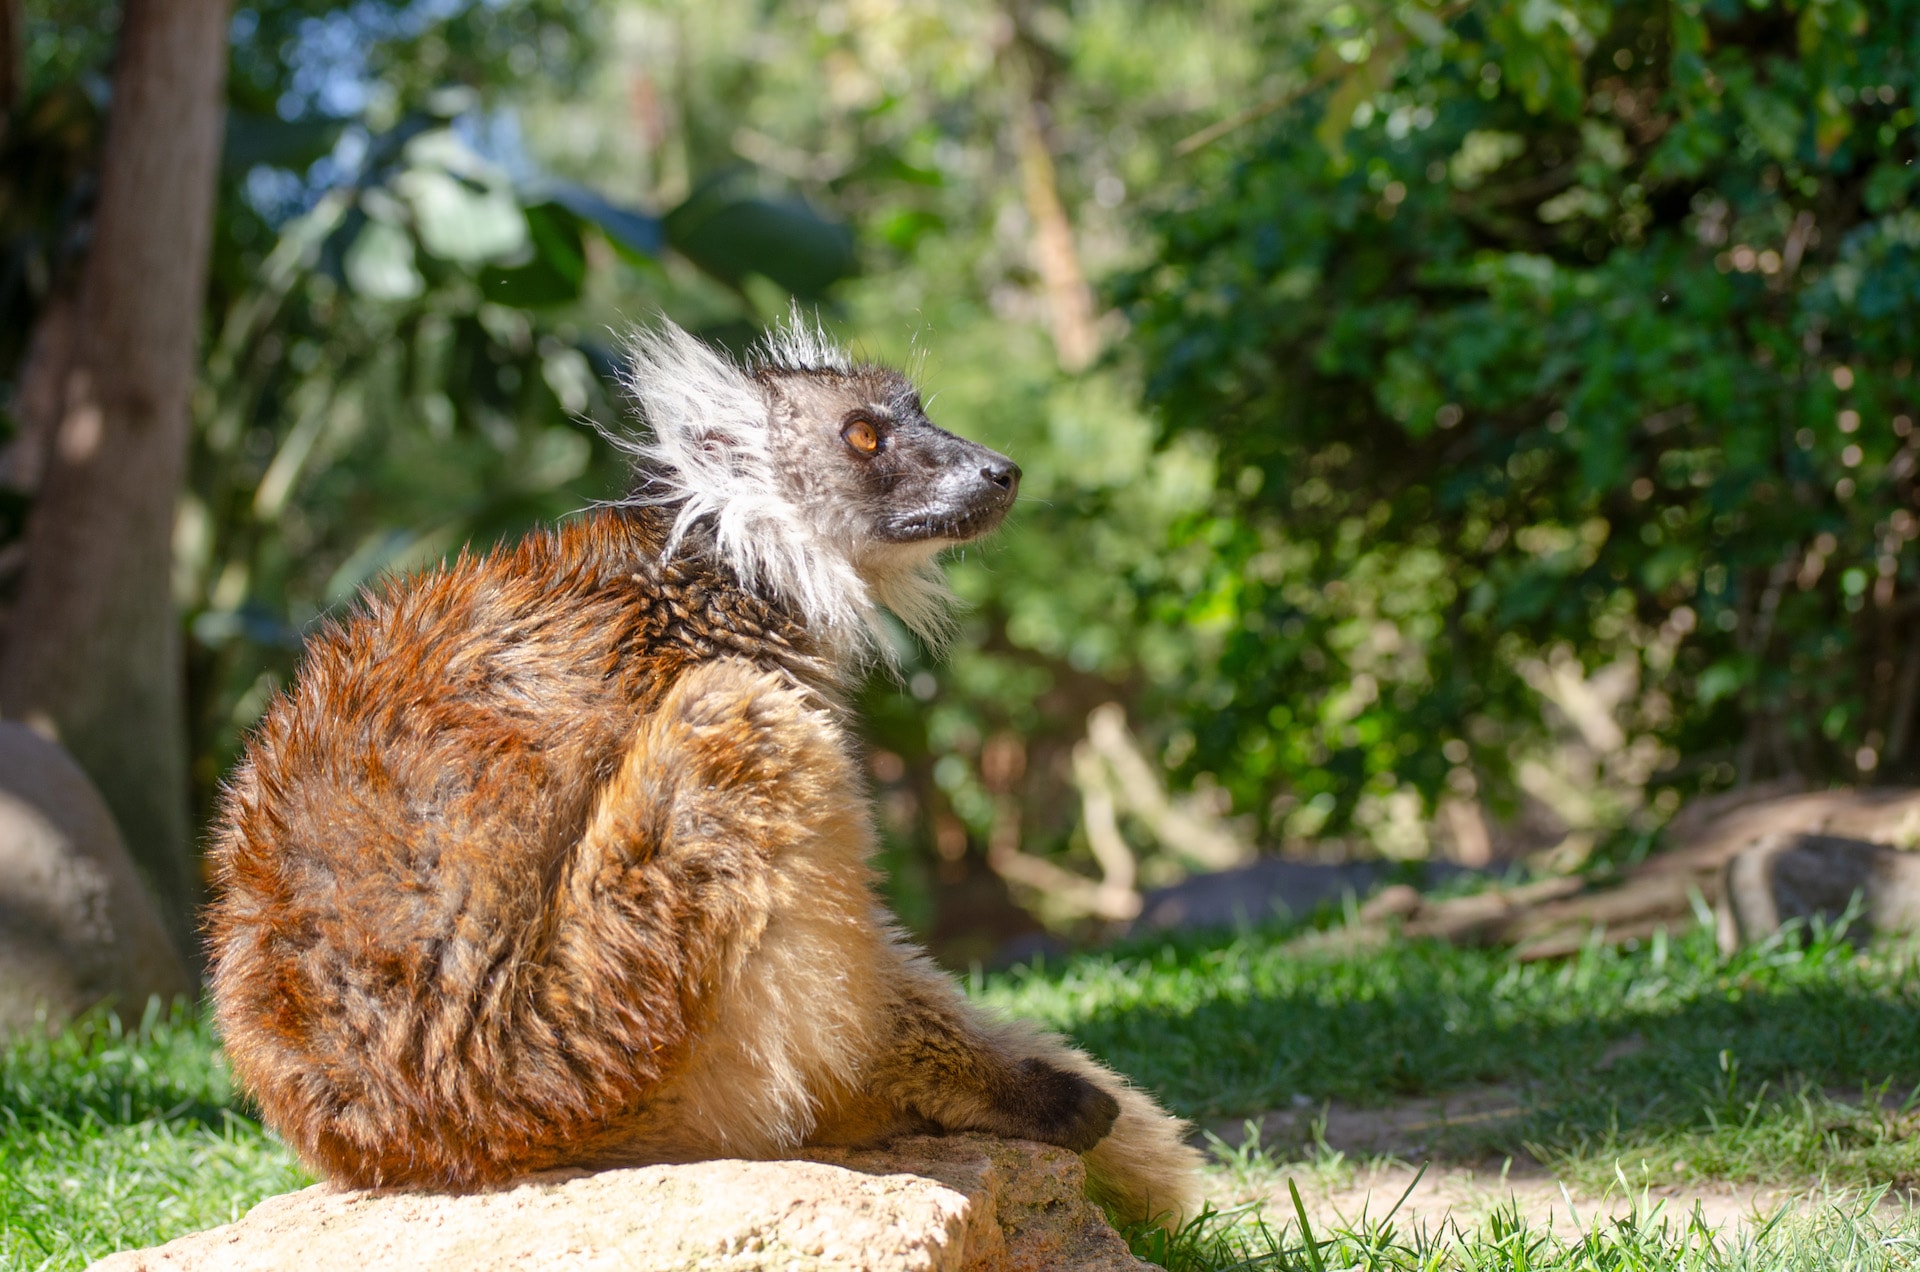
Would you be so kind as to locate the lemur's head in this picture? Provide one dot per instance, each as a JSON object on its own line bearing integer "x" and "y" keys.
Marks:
{"x": 823, "y": 480}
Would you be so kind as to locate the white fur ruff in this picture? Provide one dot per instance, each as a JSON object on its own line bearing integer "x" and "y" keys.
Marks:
{"x": 708, "y": 448}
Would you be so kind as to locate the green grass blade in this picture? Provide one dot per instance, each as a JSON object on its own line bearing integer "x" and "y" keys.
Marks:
{"x": 1306, "y": 1228}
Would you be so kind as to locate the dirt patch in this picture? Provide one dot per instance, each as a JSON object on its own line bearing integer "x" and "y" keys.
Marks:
{"x": 1408, "y": 1129}
{"x": 1446, "y": 1196}
{"x": 1355, "y": 1165}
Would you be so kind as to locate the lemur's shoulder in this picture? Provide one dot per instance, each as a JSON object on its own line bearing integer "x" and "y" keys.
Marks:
{"x": 559, "y": 601}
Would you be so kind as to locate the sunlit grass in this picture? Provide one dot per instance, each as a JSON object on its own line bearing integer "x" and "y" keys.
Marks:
{"x": 113, "y": 1137}
{"x": 1851, "y": 1235}
{"x": 1792, "y": 1060}
{"x": 1791, "y": 1063}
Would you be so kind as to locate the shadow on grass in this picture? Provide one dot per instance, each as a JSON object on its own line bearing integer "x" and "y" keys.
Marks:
{"x": 1790, "y": 1052}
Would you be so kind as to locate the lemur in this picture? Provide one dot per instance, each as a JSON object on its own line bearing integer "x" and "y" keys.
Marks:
{"x": 558, "y": 855}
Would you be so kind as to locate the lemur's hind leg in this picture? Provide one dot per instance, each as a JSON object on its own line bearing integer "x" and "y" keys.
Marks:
{"x": 748, "y": 794}
{"x": 948, "y": 1066}
{"x": 814, "y": 1023}
{"x": 945, "y": 1063}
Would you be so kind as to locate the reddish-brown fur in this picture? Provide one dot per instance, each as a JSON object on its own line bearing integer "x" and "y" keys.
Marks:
{"x": 558, "y": 855}
{"x": 410, "y": 974}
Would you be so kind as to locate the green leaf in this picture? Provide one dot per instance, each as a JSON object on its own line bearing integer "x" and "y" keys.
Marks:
{"x": 558, "y": 268}
{"x": 783, "y": 240}
{"x": 906, "y": 227}
{"x": 461, "y": 221}
{"x": 555, "y": 232}
{"x": 1888, "y": 184}
{"x": 1407, "y": 392}
{"x": 252, "y": 140}
{"x": 1722, "y": 680}
{"x": 527, "y": 286}
{"x": 634, "y": 234}
{"x": 1312, "y": 1247}
{"x": 379, "y": 263}
{"x": 1357, "y": 85}
{"x": 1776, "y": 124}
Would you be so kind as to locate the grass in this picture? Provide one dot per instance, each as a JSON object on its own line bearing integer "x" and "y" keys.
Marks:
{"x": 1793, "y": 1062}
{"x": 1852, "y": 1235}
{"x": 112, "y": 1138}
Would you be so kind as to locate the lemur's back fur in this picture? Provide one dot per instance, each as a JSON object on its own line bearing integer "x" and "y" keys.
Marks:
{"x": 558, "y": 855}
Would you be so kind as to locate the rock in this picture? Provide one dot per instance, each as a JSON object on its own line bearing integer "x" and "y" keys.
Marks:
{"x": 1257, "y": 892}
{"x": 1798, "y": 876}
{"x": 76, "y": 926}
{"x": 932, "y": 1204}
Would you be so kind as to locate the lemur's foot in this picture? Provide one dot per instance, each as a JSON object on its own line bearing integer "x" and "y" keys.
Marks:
{"x": 1057, "y": 1107}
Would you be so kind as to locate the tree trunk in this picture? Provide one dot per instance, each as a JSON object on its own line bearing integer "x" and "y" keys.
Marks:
{"x": 1069, "y": 301}
{"x": 38, "y": 394}
{"x": 93, "y": 650}
{"x": 1076, "y": 340}
{"x": 13, "y": 54}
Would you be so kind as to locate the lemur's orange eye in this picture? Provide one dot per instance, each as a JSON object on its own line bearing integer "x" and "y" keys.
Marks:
{"x": 862, "y": 436}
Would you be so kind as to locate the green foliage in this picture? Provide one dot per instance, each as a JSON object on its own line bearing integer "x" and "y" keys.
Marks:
{"x": 898, "y": 115}
{"x": 397, "y": 363}
{"x": 401, "y": 368}
{"x": 1540, "y": 327}
{"x": 1494, "y": 343}
{"x": 387, "y": 382}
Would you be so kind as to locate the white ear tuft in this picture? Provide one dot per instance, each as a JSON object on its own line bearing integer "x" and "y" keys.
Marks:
{"x": 800, "y": 344}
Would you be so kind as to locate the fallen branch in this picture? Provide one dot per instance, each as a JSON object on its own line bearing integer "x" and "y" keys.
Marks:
{"x": 1555, "y": 917}
{"x": 1114, "y": 776}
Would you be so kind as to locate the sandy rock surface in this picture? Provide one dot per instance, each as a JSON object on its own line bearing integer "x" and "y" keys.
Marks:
{"x": 76, "y": 926}
{"x": 961, "y": 1203}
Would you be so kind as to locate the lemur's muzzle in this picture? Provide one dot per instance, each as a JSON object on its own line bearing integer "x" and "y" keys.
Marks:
{"x": 964, "y": 490}
{"x": 977, "y": 486}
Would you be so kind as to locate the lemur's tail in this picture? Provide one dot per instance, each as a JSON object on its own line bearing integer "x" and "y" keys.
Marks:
{"x": 1144, "y": 1169}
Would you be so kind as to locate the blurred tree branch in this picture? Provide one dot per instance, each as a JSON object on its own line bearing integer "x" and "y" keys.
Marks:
{"x": 1069, "y": 300}
{"x": 1200, "y": 139}
{"x": 1113, "y": 776}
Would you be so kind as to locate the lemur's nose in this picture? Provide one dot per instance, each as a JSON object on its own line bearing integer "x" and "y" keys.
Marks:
{"x": 1003, "y": 473}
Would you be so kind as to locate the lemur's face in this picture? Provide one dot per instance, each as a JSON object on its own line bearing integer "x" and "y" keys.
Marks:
{"x": 860, "y": 452}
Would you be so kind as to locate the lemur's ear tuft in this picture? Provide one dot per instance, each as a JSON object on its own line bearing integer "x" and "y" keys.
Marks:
{"x": 703, "y": 444}
{"x": 800, "y": 343}
{"x": 686, "y": 389}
